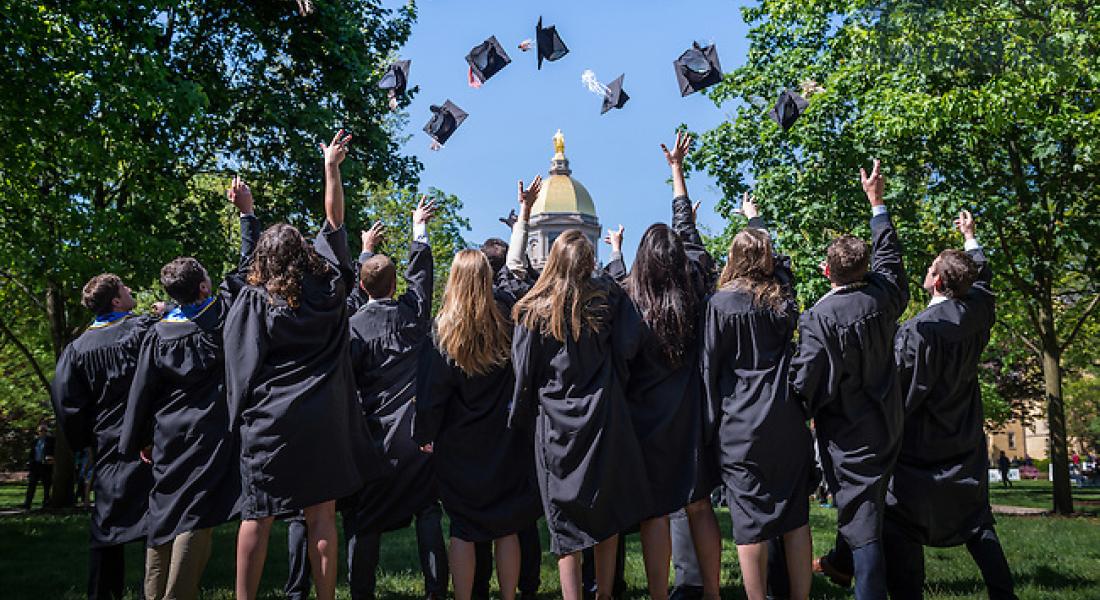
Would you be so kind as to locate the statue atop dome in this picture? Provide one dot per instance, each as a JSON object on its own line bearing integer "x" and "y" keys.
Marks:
{"x": 563, "y": 203}
{"x": 559, "y": 144}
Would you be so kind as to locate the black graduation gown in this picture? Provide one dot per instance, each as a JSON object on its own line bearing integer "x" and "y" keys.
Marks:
{"x": 939, "y": 493}
{"x": 387, "y": 337}
{"x": 763, "y": 440}
{"x": 90, "y": 387}
{"x": 291, "y": 392}
{"x": 845, "y": 373}
{"x": 485, "y": 471}
{"x": 177, "y": 403}
{"x": 591, "y": 474}
{"x": 665, "y": 401}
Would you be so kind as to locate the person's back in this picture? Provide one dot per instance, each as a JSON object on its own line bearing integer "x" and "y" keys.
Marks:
{"x": 940, "y": 491}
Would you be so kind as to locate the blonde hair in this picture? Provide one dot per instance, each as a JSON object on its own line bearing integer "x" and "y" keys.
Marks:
{"x": 750, "y": 267}
{"x": 470, "y": 328}
{"x": 565, "y": 300}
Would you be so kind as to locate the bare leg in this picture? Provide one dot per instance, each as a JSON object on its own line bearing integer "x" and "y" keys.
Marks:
{"x": 754, "y": 569}
{"x": 251, "y": 554}
{"x": 708, "y": 545}
{"x": 323, "y": 552}
{"x": 800, "y": 555}
{"x": 657, "y": 552}
{"x": 606, "y": 554}
{"x": 507, "y": 556}
{"x": 569, "y": 573}
{"x": 463, "y": 559}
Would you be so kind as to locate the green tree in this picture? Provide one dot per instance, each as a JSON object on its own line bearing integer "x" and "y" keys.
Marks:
{"x": 982, "y": 104}
{"x": 123, "y": 121}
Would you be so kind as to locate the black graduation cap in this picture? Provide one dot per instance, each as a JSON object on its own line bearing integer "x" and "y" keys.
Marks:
{"x": 396, "y": 77}
{"x": 487, "y": 58}
{"x": 615, "y": 96}
{"x": 445, "y": 120}
{"x": 697, "y": 68}
{"x": 788, "y": 108}
{"x": 510, "y": 220}
{"x": 550, "y": 46}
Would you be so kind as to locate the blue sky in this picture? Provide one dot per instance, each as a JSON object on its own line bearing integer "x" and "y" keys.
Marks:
{"x": 515, "y": 114}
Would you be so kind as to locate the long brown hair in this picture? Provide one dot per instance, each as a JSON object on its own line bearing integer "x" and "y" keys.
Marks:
{"x": 281, "y": 259}
{"x": 659, "y": 286}
{"x": 750, "y": 267}
{"x": 565, "y": 300}
{"x": 470, "y": 329}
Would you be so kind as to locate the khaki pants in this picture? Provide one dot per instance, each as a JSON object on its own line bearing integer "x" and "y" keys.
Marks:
{"x": 173, "y": 569}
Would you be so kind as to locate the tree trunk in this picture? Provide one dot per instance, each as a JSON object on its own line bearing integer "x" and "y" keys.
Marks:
{"x": 1056, "y": 411}
{"x": 63, "y": 492}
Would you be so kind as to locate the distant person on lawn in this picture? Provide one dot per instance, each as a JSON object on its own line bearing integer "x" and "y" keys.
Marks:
{"x": 1003, "y": 464}
{"x": 40, "y": 467}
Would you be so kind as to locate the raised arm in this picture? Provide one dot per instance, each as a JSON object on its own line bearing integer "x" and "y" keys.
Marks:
{"x": 782, "y": 262}
{"x": 516, "y": 260}
{"x": 886, "y": 257}
{"x": 334, "y": 186}
{"x": 616, "y": 266}
{"x": 420, "y": 274}
{"x": 683, "y": 213}
{"x": 241, "y": 197}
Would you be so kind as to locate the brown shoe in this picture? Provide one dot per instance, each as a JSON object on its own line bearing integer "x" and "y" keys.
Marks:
{"x": 824, "y": 567}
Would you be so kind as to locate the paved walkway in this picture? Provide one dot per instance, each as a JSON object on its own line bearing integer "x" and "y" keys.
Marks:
{"x": 1018, "y": 511}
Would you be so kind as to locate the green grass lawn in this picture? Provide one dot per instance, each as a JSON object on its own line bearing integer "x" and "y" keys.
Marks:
{"x": 44, "y": 556}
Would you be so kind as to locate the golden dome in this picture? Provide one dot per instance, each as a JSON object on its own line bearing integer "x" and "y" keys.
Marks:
{"x": 560, "y": 192}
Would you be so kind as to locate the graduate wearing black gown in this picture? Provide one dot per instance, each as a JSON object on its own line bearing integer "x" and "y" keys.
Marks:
{"x": 177, "y": 404}
{"x": 387, "y": 337}
{"x": 570, "y": 351}
{"x": 764, "y": 443}
{"x": 89, "y": 393}
{"x": 939, "y": 494}
{"x": 844, "y": 372}
{"x": 671, "y": 277}
{"x": 290, "y": 388}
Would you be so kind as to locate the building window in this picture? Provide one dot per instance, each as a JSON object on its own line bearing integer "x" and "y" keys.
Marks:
{"x": 1012, "y": 440}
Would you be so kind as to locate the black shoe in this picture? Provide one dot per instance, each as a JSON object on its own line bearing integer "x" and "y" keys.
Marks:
{"x": 686, "y": 592}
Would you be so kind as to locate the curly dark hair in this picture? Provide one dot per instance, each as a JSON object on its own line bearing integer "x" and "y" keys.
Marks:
{"x": 957, "y": 271}
{"x": 659, "y": 286}
{"x": 282, "y": 258}
{"x": 181, "y": 278}
{"x": 100, "y": 291}
{"x": 847, "y": 257}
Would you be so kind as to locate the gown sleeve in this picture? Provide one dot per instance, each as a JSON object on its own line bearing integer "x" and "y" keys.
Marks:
{"x": 236, "y": 279}
{"x": 433, "y": 389}
{"x": 702, "y": 264}
{"x": 332, "y": 245}
{"x": 817, "y": 368}
{"x": 710, "y": 362}
{"x": 137, "y": 430}
{"x": 524, "y": 408}
{"x": 886, "y": 260}
{"x": 420, "y": 276}
{"x": 981, "y": 294}
{"x": 914, "y": 373}
{"x": 73, "y": 402}
{"x": 246, "y": 340}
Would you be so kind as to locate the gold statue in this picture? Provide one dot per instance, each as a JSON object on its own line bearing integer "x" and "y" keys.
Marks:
{"x": 559, "y": 143}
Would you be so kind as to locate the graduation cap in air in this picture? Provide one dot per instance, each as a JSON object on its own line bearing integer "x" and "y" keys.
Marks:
{"x": 510, "y": 220}
{"x": 697, "y": 68}
{"x": 486, "y": 59}
{"x": 615, "y": 97}
{"x": 550, "y": 46}
{"x": 788, "y": 108}
{"x": 396, "y": 77}
{"x": 445, "y": 120}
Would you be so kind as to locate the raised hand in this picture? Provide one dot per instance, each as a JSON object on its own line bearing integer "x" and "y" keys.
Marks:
{"x": 336, "y": 151}
{"x": 425, "y": 210}
{"x": 240, "y": 195}
{"x": 748, "y": 206}
{"x": 695, "y": 211}
{"x": 372, "y": 238}
{"x": 527, "y": 196}
{"x": 675, "y": 157}
{"x": 874, "y": 186}
{"x": 614, "y": 238}
{"x": 965, "y": 224}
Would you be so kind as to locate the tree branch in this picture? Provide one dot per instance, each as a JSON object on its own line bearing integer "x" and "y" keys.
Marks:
{"x": 25, "y": 289}
{"x": 1080, "y": 322}
{"x": 1012, "y": 331}
{"x": 27, "y": 354}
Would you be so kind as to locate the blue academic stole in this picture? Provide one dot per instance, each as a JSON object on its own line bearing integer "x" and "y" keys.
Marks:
{"x": 182, "y": 314}
{"x": 109, "y": 319}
